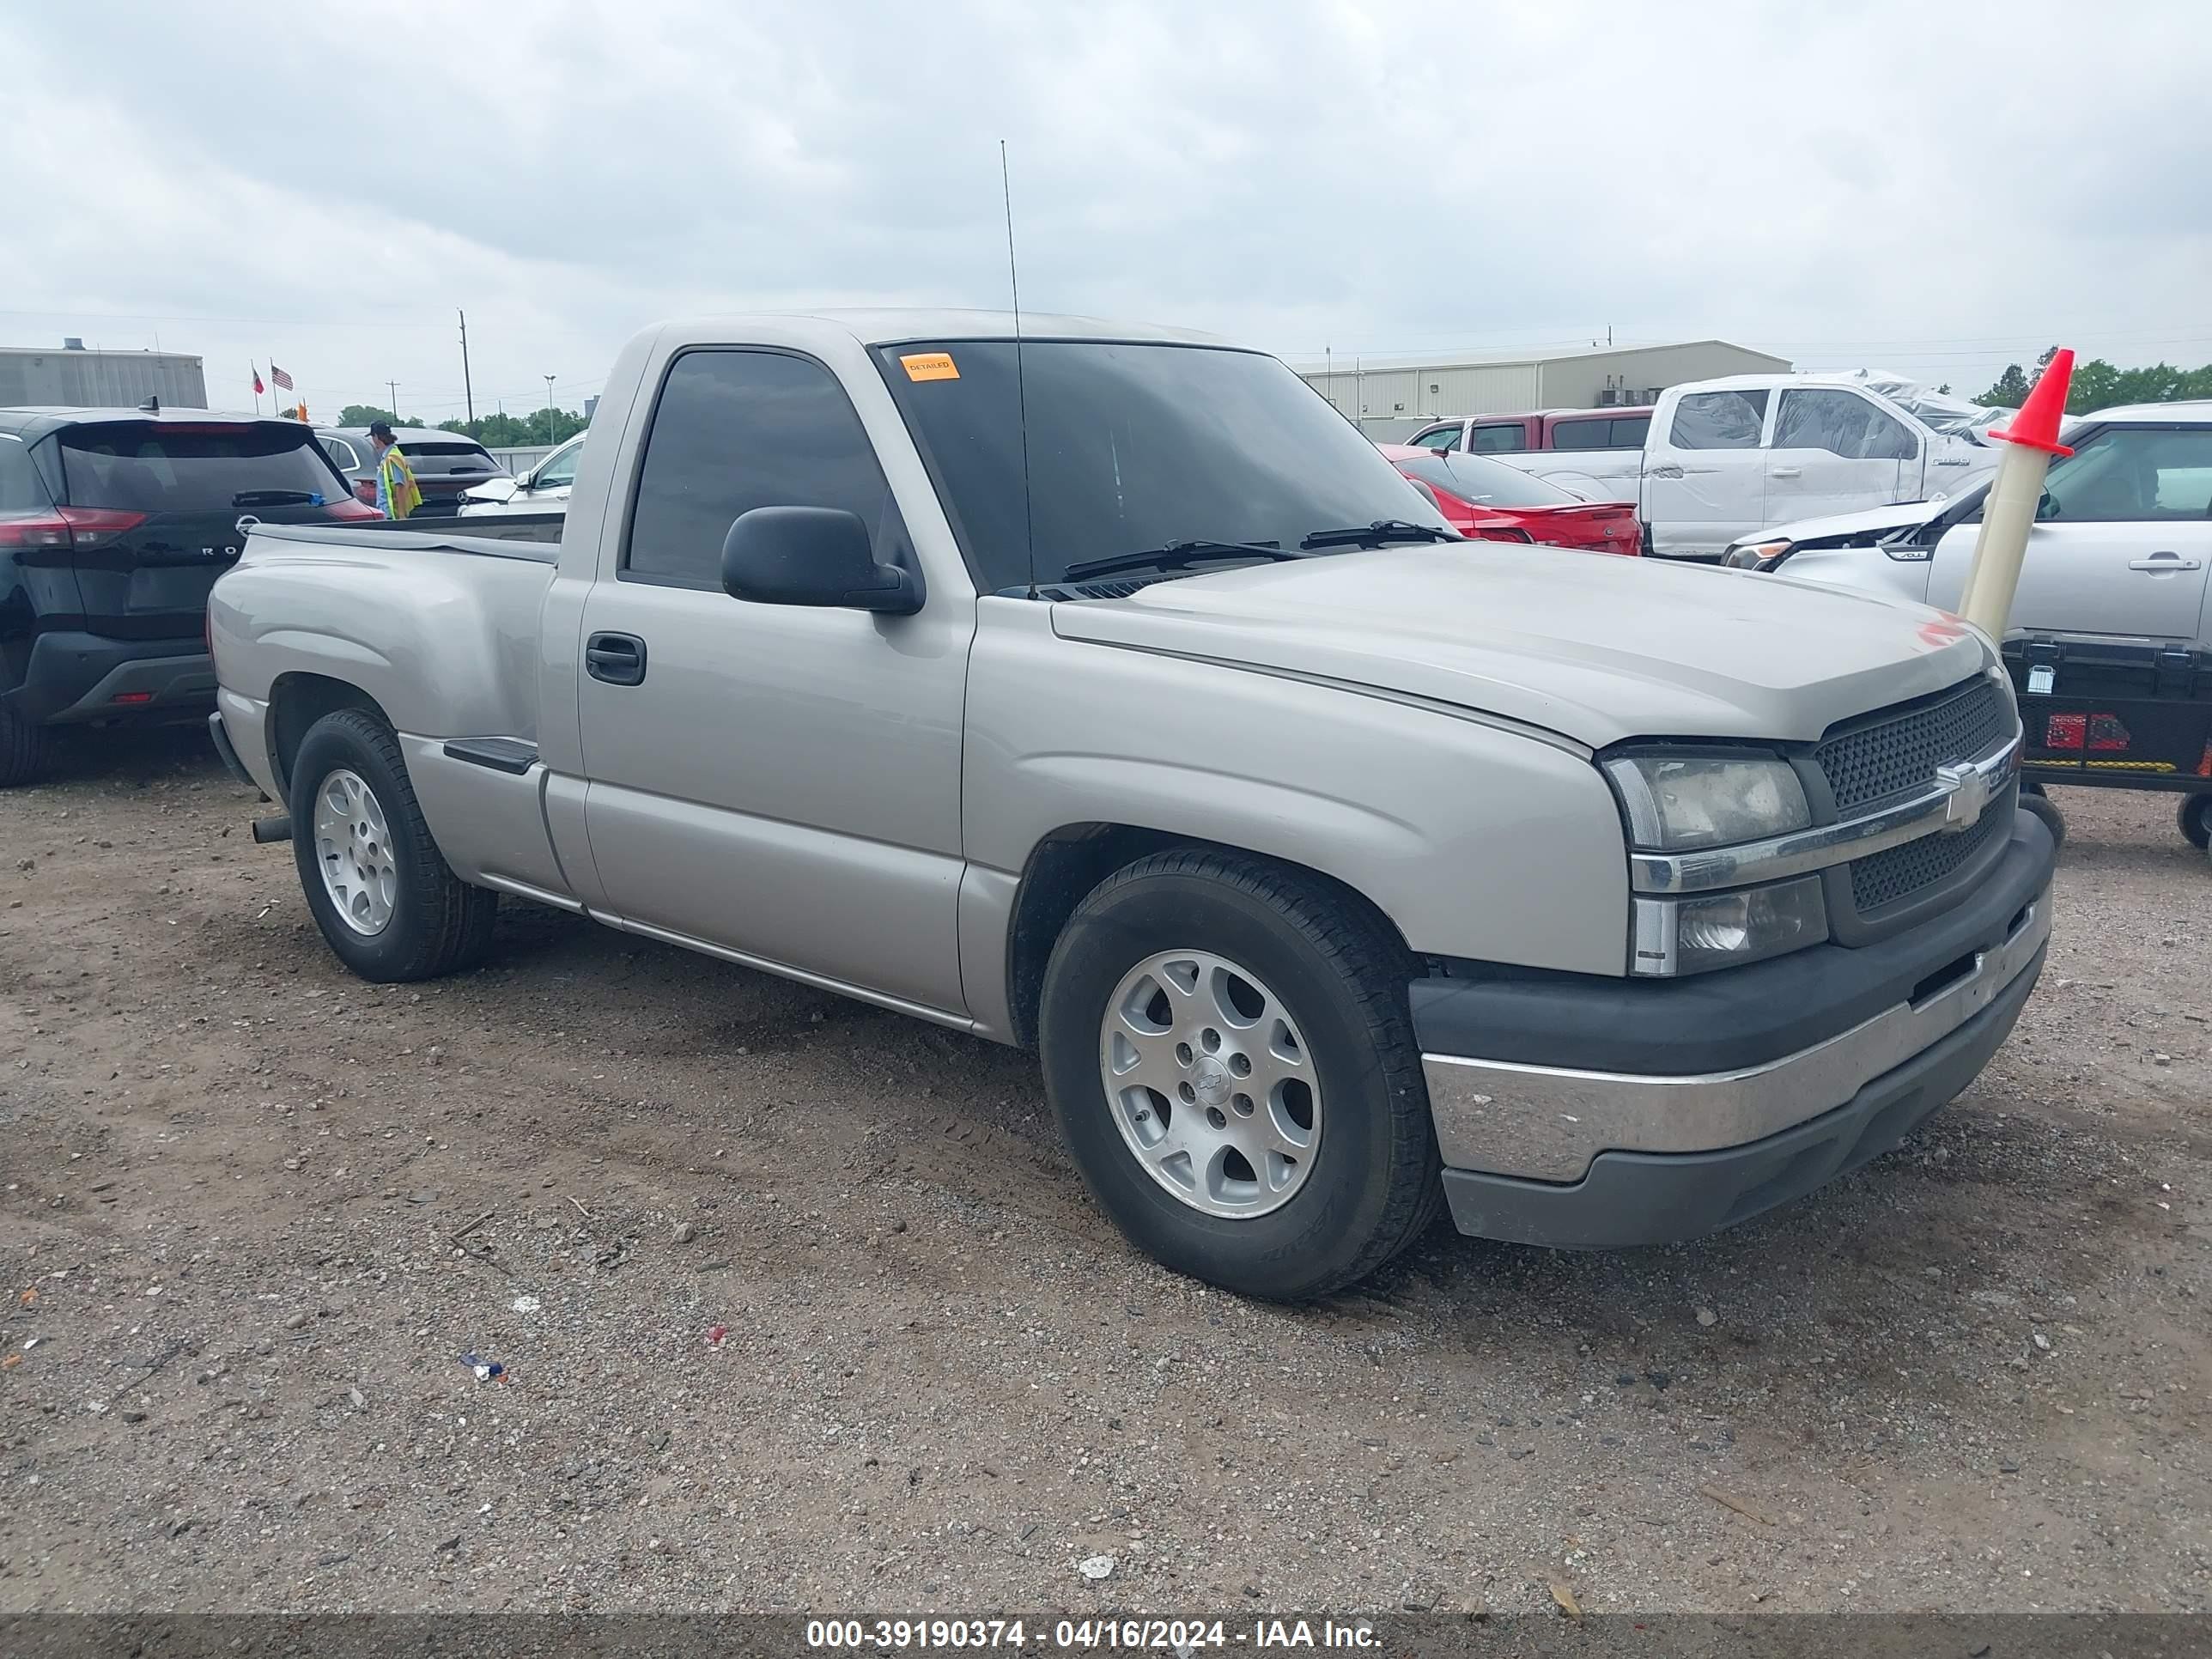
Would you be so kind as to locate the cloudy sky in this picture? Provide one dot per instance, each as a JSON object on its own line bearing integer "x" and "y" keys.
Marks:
{"x": 1935, "y": 188}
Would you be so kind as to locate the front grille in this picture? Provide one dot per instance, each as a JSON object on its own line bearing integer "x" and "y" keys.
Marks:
{"x": 1899, "y": 755}
{"x": 1884, "y": 877}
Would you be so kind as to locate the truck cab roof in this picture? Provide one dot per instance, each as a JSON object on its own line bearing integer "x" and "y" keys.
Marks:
{"x": 896, "y": 326}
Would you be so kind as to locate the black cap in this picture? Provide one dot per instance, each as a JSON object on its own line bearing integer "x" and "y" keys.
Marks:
{"x": 379, "y": 428}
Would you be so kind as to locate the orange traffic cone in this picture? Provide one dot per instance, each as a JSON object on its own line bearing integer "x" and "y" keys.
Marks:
{"x": 2016, "y": 494}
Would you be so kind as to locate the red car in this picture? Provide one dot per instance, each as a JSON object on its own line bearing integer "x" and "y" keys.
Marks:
{"x": 1489, "y": 500}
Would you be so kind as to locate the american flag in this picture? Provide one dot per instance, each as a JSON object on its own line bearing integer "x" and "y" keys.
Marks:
{"x": 279, "y": 376}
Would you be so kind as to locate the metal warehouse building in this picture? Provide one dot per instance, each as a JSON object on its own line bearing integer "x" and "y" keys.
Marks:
{"x": 1390, "y": 396}
{"x": 34, "y": 376}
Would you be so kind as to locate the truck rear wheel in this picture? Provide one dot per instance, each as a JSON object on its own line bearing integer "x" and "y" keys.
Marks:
{"x": 2196, "y": 819}
{"x": 1227, "y": 1046}
{"x": 24, "y": 749}
{"x": 389, "y": 906}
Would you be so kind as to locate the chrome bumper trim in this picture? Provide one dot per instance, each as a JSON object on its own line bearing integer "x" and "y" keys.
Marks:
{"x": 1954, "y": 802}
{"x": 1547, "y": 1123}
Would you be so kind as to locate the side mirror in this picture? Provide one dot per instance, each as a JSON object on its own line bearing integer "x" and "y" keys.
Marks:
{"x": 816, "y": 555}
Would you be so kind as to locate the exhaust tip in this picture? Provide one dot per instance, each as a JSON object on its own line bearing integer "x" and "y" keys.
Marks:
{"x": 276, "y": 828}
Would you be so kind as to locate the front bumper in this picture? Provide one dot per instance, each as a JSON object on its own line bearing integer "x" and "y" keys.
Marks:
{"x": 74, "y": 678}
{"x": 1711, "y": 1100}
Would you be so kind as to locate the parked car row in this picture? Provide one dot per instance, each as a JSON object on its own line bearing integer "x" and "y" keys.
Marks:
{"x": 2110, "y": 644}
{"x": 1339, "y": 871}
{"x": 1715, "y": 461}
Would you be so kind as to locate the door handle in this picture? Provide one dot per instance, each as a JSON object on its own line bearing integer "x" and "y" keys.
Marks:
{"x": 1787, "y": 473}
{"x": 617, "y": 659}
{"x": 2159, "y": 563}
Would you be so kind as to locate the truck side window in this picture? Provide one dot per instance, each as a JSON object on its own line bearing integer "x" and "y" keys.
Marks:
{"x": 1842, "y": 423}
{"x": 1629, "y": 431}
{"x": 1718, "y": 419}
{"x": 737, "y": 429}
{"x": 1509, "y": 437}
{"x": 1581, "y": 434}
{"x": 1441, "y": 438}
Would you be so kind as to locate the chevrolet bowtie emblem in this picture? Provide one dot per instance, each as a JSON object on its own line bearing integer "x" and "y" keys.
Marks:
{"x": 1970, "y": 793}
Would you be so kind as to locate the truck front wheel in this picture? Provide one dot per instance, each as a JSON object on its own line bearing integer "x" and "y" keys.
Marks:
{"x": 1227, "y": 1046}
{"x": 389, "y": 906}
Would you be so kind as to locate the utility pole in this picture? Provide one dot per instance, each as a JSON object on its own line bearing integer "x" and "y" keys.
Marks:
{"x": 393, "y": 386}
{"x": 548, "y": 409}
{"x": 467, "y": 389}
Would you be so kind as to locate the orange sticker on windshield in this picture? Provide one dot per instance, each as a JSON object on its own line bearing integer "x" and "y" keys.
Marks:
{"x": 930, "y": 365}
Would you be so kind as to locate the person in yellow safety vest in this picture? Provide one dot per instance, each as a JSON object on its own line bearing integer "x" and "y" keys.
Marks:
{"x": 396, "y": 493}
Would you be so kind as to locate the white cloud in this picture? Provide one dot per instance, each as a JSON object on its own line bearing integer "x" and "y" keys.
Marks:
{"x": 1934, "y": 189}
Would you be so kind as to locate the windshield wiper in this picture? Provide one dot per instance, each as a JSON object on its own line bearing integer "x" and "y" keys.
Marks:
{"x": 1175, "y": 555}
{"x": 1376, "y": 534}
{"x": 272, "y": 498}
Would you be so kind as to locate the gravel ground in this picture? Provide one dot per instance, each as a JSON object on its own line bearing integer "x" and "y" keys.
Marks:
{"x": 255, "y": 1212}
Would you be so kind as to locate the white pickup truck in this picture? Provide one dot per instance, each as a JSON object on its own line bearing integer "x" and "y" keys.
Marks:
{"x": 1728, "y": 457}
{"x": 1721, "y": 459}
{"x": 1338, "y": 869}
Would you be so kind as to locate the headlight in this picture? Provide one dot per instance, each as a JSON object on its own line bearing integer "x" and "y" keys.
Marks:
{"x": 1753, "y": 555}
{"x": 1676, "y": 805}
{"x": 1726, "y": 930}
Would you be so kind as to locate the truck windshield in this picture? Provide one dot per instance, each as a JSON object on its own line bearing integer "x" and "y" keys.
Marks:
{"x": 1131, "y": 447}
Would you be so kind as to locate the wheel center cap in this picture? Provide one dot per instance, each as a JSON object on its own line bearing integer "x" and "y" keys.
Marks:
{"x": 1209, "y": 1081}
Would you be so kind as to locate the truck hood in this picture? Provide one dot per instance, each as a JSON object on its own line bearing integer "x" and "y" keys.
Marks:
{"x": 1593, "y": 646}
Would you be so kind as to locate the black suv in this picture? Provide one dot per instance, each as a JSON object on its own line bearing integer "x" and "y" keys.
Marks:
{"x": 113, "y": 525}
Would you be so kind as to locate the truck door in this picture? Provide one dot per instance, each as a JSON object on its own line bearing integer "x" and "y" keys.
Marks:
{"x": 1704, "y": 475}
{"x": 2122, "y": 546}
{"x": 777, "y": 780}
{"x": 1836, "y": 451}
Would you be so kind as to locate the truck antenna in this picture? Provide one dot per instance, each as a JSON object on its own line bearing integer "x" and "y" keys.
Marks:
{"x": 1021, "y": 385}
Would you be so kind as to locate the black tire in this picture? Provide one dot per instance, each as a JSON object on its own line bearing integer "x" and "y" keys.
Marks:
{"x": 2038, "y": 805}
{"x": 24, "y": 749}
{"x": 1373, "y": 1186}
{"x": 439, "y": 923}
{"x": 2195, "y": 819}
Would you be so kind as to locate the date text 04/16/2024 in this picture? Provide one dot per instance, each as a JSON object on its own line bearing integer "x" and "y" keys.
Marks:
{"x": 1181, "y": 1637}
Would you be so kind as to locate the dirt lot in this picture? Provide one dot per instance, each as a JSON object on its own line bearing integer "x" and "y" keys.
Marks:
{"x": 241, "y": 1272}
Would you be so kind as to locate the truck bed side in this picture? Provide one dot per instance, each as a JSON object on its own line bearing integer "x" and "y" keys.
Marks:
{"x": 439, "y": 633}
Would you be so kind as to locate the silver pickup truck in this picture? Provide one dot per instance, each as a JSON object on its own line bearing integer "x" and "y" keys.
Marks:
{"x": 1104, "y": 691}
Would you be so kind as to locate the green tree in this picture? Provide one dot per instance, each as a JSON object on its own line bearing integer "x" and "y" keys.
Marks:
{"x": 2097, "y": 384}
{"x": 504, "y": 431}
{"x": 369, "y": 415}
{"x": 2010, "y": 389}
